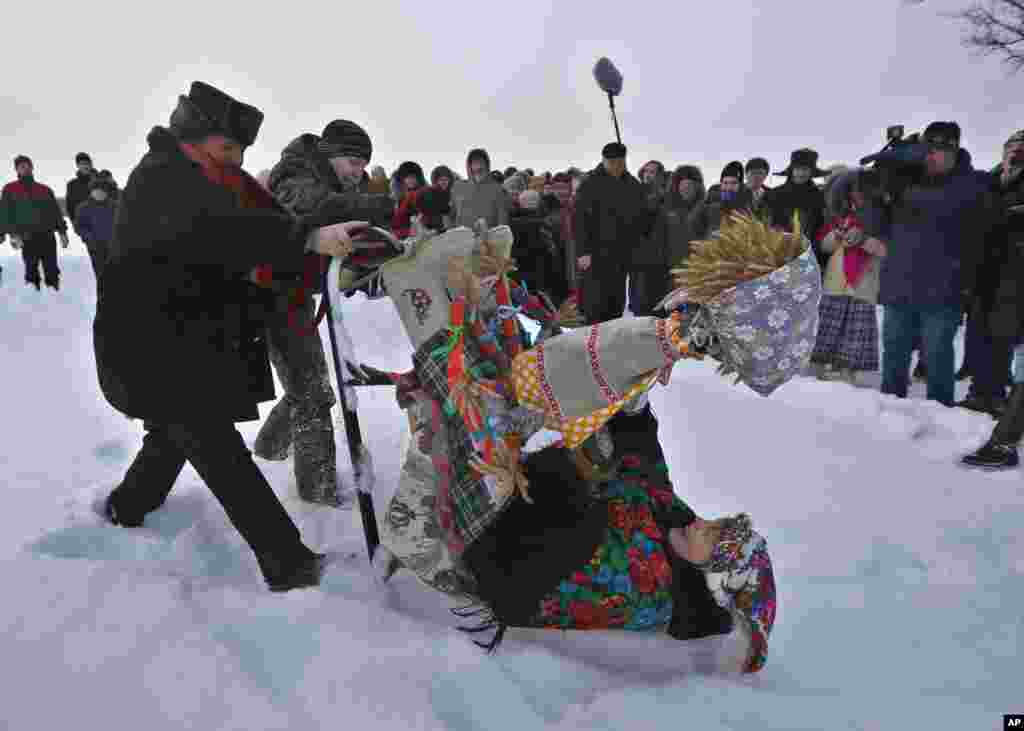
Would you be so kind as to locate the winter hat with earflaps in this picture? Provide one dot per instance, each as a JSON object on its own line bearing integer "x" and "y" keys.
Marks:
{"x": 759, "y": 291}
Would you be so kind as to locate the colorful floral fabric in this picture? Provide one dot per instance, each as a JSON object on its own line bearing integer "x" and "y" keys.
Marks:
{"x": 626, "y": 584}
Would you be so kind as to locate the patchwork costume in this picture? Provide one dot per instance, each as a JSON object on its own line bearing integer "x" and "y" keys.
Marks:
{"x": 575, "y": 535}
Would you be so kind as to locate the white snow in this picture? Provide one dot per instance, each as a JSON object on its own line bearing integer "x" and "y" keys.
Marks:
{"x": 900, "y": 576}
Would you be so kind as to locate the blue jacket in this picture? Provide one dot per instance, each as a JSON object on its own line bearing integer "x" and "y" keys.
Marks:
{"x": 937, "y": 236}
{"x": 94, "y": 221}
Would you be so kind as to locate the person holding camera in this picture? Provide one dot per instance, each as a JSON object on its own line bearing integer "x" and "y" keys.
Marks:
{"x": 934, "y": 231}
{"x": 179, "y": 332}
{"x": 1004, "y": 318}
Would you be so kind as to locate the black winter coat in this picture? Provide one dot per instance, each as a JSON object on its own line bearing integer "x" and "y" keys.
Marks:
{"x": 781, "y": 203}
{"x": 77, "y": 193}
{"x": 1003, "y": 271}
{"x": 179, "y": 330}
{"x": 612, "y": 219}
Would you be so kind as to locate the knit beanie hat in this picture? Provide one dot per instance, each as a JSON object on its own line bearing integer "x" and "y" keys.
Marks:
{"x": 82, "y": 157}
{"x": 343, "y": 138}
{"x": 733, "y": 170}
{"x": 945, "y": 132}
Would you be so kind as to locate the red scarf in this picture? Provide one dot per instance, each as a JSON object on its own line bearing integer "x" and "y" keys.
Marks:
{"x": 251, "y": 194}
{"x": 855, "y": 259}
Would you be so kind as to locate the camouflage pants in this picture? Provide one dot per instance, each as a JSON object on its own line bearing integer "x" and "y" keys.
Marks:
{"x": 300, "y": 423}
{"x": 411, "y": 529}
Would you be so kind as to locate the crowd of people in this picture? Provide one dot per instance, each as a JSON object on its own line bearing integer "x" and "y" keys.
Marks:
{"x": 205, "y": 281}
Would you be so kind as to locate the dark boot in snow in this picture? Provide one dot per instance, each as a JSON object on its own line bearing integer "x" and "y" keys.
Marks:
{"x": 1000, "y": 451}
{"x": 963, "y": 374}
{"x": 284, "y": 573}
{"x": 920, "y": 371}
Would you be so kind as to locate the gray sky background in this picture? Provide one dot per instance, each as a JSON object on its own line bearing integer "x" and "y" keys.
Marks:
{"x": 704, "y": 82}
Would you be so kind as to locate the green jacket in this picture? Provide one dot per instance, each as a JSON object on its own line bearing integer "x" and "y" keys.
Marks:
{"x": 28, "y": 208}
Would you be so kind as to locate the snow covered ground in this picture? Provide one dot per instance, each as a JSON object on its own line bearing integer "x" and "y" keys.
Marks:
{"x": 900, "y": 576}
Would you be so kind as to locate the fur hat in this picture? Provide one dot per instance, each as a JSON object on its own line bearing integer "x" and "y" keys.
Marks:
{"x": 343, "y": 138}
{"x": 1017, "y": 138}
{"x": 613, "y": 151}
{"x": 733, "y": 170}
{"x": 408, "y": 168}
{"x": 22, "y": 159}
{"x": 804, "y": 158}
{"x": 208, "y": 110}
{"x": 82, "y": 157}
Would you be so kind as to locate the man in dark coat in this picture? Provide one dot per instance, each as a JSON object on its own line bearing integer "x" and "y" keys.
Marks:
{"x": 1001, "y": 307}
{"x": 730, "y": 195}
{"x": 29, "y": 212}
{"x": 178, "y": 336}
{"x": 612, "y": 223}
{"x": 317, "y": 175}
{"x": 78, "y": 187}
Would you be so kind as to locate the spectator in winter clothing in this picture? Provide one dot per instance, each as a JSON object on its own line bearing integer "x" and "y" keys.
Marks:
{"x": 847, "y": 340}
{"x": 757, "y": 172}
{"x": 646, "y": 285}
{"x": 988, "y": 341}
{"x": 407, "y": 178}
{"x": 933, "y": 237}
{"x": 612, "y": 224}
{"x": 30, "y": 214}
{"x": 443, "y": 177}
{"x": 480, "y": 196}
{"x": 315, "y": 175}
{"x": 655, "y": 180}
{"x": 799, "y": 194}
{"x": 178, "y": 334}
{"x": 674, "y": 229}
{"x": 537, "y": 249}
{"x": 730, "y": 195}
{"x": 1003, "y": 312}
{"x": 94, "y": 221}
{"x": 78, "y": 188}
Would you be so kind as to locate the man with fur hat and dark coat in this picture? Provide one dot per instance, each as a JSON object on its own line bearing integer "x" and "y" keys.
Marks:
{"x": 94, "y": 221}
{"x": 612, "y": 223}
{"x": 481, "y": 196}
{"x": 179, "y": 332}
{"x": 30, "y": 214}
{"x": 323, "y": 175}
{"x": 78, "y": 188}
{"x": 407, "y": 180}
{"x": 799, "y": 194}
{"x": 728, "y": 196}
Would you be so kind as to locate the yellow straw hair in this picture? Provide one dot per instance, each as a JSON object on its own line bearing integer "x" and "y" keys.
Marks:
{"x": 746, "y": 248}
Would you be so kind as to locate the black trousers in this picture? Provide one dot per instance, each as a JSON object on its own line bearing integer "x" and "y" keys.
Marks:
{"x": 98, "y": 251}
{"x": 40, "y": 249}
{"x": 221, "y": 458}
{"x": 604, "y": 290}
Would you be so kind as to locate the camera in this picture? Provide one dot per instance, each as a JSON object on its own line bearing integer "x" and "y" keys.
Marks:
{"x": 897, "y": 165}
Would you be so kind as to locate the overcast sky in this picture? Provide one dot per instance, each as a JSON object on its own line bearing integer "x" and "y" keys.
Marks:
{"x": 704, "y": 82}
